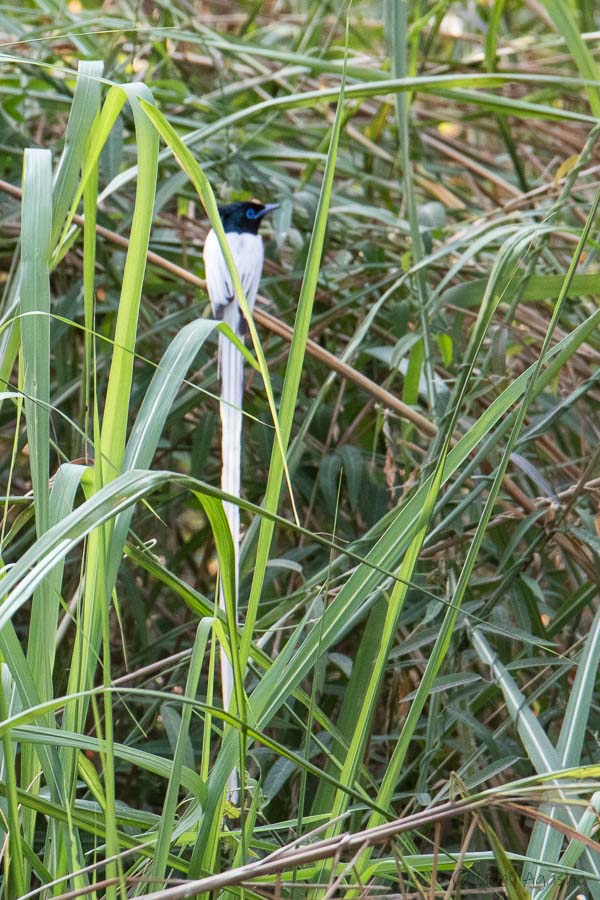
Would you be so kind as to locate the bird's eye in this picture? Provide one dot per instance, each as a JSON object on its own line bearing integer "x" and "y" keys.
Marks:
{"x": 250, "y": 213}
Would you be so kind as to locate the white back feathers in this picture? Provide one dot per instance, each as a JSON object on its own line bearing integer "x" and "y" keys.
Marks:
{"x": 247, "y": 251}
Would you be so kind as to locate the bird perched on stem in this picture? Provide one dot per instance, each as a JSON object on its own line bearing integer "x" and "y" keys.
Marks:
{"x": 241, "y": 223}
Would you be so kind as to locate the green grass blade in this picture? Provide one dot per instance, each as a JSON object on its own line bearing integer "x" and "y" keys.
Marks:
{"x": 119, "y": 382}
{"x": 566, "y": 24}
{"x": 14, "y": 864}
{"x": 168, "y": 815}
{"x": 570, "y": 741}
{"x": 515, "y": 890}
{"x": 36, "y": 228}
{"x": 149, "y": 423}
{"x": 586, "y": 827}
{"x": 158, "y": 766}
{"x": 84, "y": 108}
{"x": 536, "y": 288}
{"x": 539, "y": 748}
{"x": 90, "y": 203}
{"x": 397, "y": 23}
{"x": 35, "y": 320}
{"x": 545, "y": 842}
{"x": 293, "y": 372}
{"x": 453, "y": 87}
{"x": 101, "y": 129}
{"x": 110, "y": 436}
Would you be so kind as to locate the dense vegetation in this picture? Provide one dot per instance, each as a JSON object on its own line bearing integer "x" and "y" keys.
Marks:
{"x": 418, "y": 636}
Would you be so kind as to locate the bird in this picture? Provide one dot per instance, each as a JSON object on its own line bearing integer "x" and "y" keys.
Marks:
{"x": 241, "y": 223}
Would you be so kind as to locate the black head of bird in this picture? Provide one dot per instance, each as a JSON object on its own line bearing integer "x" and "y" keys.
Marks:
{"x": 244, "y": 217}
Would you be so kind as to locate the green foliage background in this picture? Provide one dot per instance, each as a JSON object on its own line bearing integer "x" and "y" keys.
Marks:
{"x": 416, "y": 657}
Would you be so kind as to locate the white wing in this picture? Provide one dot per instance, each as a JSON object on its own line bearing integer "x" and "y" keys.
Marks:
{"x": 248, "y": 254}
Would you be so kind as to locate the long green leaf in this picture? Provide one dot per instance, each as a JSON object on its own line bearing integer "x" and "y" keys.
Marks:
{"x": 566, "y": 23}
{"x": 36, "y": 229}
{"x": 293, "y": 372}
{"x": 116, "y": 408}
{"x": 169, "y": 808}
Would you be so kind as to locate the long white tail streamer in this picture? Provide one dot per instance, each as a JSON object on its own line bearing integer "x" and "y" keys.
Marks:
{"x": 247, "y": 251}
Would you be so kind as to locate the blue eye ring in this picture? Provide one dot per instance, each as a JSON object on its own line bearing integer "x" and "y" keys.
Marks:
{"x": 250, "y": 213}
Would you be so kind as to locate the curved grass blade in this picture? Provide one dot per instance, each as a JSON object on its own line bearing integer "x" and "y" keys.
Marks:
{"x": 149, "y": 423}
{"x": 109, "y": 443}
{"x": 84, "y": 108}
{"x": 36, "y": 229}
{"x": 567, "y": 26}
{"x": 540, "y": 751}
{"x": 167, "y": 821}
{"x": 111, "y": 108}
{"x": 289, "y": 394}
{"x": 545, "y": 841}
{"x": 116, "y": 409}
{"x": 206, "y": 194}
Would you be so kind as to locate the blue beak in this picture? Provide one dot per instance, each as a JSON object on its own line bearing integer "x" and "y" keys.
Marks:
{"x": 268, "y": 208}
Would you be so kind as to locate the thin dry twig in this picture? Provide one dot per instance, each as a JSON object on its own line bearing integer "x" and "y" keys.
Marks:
{"x": 299, "y": 856}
